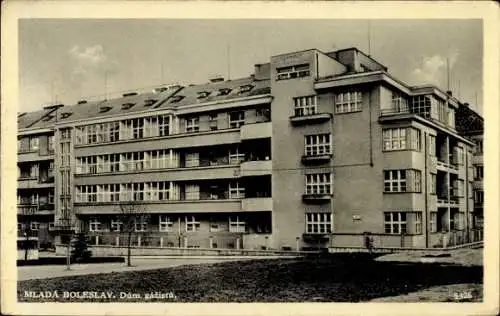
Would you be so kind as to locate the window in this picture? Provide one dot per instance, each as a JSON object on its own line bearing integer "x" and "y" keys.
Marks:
{"x": 399, "y": 102}
{"x": 66, "y": 133}
{"x": 34, "y": 143}
{"x": 395, "y": 222}
{"x": 192, "y": 124}
{"x": 192, "y": 160}
{"x": 318, "y": 223}
{"x": 236, "y": 119}
{"x": 319, "y": 183}
{"x": 157, "y": 191}
{"x": 235, "y": 156}
{"x": 433, "y": 222}
{"x": 137, "y": 128}
{"x": 402, "y": 181}
{"x": 395, "y": 181}
{"x": 158, "y": 159}
{"x": 401, "y": 139}
{"x": 126, "y": 192}
{"x": 192, "y": 192}
{"x": 317, "y": 145}
{"x": 236, "y": 191}
{"x": 141, "y": 225}
{"x": 94, "y": 225}
{"x": 50, "y": 141}
{"x": 116, "y": 225}
{"x": 212, "y": 121}
{"x": 138, "y": 192}
{"x": 348, "y": 102}
{"x": 433, "y": 183}
{"x": 86, "y": 193}
{"x": 305, "y": 105}
{"x": 191, "y": 224}
{"x": 291, "y": 72}
{"x": 479, "y": 146}
{"x": 236, "y": 225}
{"x": 246, "y": 88}
{"x": 432, "y": 145}
{"x": 165, "y": 224}
{"x": 35, "y": 226}
{"x": 421, "y": 105}
{"x": 417, "y": 222}
{"x": 163, "y": 125}
{"x": 113, "y": 131}
{"x": 478, "y": 197}
{"x": 479, "y": 172}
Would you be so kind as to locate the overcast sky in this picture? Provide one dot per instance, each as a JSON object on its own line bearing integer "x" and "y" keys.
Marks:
{"x": 65, "y": 60}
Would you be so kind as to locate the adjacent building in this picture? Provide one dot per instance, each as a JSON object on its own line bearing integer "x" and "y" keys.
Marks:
{"x": 312, "y": 150}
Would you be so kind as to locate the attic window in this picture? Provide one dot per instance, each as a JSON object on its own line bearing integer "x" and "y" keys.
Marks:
{"x": 224, "y": 91}
{"x": 203, "y": 94}
{"x": 130, "y": 94}
{"x": 65, "y": 115}
{"x": 104, "y": 109}
{"x": 176, "y": 98}
{"x": 246, "y": 88}
{"x": 150, "y": 102}
{"x": 126, "y": 106}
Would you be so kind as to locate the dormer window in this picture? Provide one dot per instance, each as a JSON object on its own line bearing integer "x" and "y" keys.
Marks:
{"x": 126, "y": 106}
{"x": 224, "y": 91}
{"x": 176, "y": 98}
{"x": 246, "y": 88}
{"x": 149, "y": 102}
{"x": 203, "y": 94}
{"x": 65, "y": 115}
{"x": 104, "y": 109}
{"x": 130, "y": 94}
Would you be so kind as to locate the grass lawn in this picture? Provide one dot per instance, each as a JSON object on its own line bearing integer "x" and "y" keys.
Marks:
{"x": 336, "y": 278}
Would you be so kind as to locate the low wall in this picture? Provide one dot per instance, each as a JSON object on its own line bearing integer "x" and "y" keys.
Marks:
{"x": 170, "y": 251}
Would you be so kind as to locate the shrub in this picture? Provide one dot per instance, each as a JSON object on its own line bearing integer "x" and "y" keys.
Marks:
{"x": 80, "y": 250}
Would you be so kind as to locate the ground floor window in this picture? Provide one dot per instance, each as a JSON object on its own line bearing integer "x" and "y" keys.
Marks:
{"x": 141, "y": 225}
{"x": 94, "y": 225}
{"x": 433, "y": 222}
{"x": 395, "y": 222}
{"x": 318, "y": 223}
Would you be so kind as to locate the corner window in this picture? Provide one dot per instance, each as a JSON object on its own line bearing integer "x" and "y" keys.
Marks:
{"x": 401, "y": 139}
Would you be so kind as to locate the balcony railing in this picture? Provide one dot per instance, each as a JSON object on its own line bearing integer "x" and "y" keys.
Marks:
{"x": 34, "y": 209}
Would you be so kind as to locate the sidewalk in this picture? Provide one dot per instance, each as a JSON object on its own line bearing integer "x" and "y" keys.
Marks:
{"x": 139, "y": 263}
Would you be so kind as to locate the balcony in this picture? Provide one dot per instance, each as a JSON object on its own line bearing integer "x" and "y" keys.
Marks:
{"x": 312, "y": 118}
{"x": 33, "y": 156}
{"x": 477, "y": 184}
{"x": 34, "y": 183}
{"x": 256, "y": 130}
{"x": 257, "y": 204}
{"x": 316, "y": 158}
{"x": 256, "y": 168}
{"x": 317, "y": 197}
{"x": 35, "y": 209}
{"x": 446, "y": 167}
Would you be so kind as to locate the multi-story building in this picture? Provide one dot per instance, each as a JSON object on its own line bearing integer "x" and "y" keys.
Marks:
{"x": 312, "y": 150}
{"x": 35, "y": 172}
{"x": 471, "y": 126}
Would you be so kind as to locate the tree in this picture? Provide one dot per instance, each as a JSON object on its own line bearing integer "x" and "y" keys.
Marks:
{"x": 80, "y": 248}
{"x": 131, "y": 214}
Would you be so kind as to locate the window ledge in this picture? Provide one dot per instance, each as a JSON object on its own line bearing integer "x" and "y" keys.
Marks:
{"x": 318, "y": 117}
{"x": 317, "y": 197}
{"x": 316, "y": 158}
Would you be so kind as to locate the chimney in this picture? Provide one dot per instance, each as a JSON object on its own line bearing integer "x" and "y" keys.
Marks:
{"x": 262, "y": 71}
{"x": 466, "y": 104}
{"x": 450, "y": 93}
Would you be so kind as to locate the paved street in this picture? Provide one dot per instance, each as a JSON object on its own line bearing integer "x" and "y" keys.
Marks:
{"x": 139, "y": 263}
